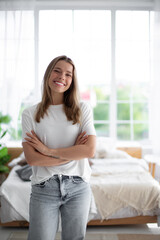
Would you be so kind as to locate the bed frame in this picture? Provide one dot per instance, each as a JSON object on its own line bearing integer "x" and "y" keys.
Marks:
{"x": 134, "y": 152}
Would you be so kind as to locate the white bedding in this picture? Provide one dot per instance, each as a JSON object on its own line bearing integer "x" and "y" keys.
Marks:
{"x": 108, "y": 177}
{"x": 17, "y": 193}
{"x": 121, "y": 183}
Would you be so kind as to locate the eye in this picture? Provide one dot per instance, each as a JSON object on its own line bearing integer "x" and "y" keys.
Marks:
{"x": 68, "y": 75}
{"x": 55, "y": 70}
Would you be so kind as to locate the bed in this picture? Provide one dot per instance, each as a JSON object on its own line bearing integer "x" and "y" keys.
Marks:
{"x": 124, "y": 191}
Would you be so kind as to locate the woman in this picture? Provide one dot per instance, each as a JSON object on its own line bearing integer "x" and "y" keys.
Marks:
{"x": 58, "y": 137}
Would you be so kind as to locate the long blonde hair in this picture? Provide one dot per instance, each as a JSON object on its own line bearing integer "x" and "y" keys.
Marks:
{"x": 71, "y": 96}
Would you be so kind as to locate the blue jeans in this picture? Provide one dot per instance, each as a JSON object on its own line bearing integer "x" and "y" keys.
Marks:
{"x": 68, "y": 196}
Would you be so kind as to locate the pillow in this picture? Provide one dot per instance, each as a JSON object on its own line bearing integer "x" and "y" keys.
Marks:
{"x": 25, "y": 172}
{"x": 106, "y": 148}
{"x": 19, "y": 160}
{"x": 22, "y": 162}
{"x": 117, "y": 154}
{"x": 103, "y": 145}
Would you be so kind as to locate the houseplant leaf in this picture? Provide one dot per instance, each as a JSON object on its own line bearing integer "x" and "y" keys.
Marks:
{"x": 3, "y": 152}
{"x": 4, "y": 169}
{"x": 5, "y": 159}
{"x": 5, "y": 118}
{"x": 3, "y": 134}
{"x": 4, "y": 156}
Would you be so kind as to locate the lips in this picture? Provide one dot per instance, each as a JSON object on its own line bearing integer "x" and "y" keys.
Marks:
{"x": 59, "y": 83}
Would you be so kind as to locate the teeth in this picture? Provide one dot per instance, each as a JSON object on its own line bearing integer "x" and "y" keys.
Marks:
{"x": 61, "y": 84}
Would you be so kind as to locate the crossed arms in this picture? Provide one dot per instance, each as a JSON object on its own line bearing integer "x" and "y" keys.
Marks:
{"x": 38, "y": 154}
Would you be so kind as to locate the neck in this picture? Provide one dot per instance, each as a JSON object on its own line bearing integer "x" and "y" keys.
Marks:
{"x": 57, "y": 99}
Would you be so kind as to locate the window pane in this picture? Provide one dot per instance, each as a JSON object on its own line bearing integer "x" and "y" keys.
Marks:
{"x": 140, "y": 111}
{"x": 101, "y": 111}
{"x": 132, "y": 25}
{"x": 140, "y": 131}
{"x": 132, "y": 46}
{"x": 123, "y": 91}
{"x": 102, "y": 92}
{"x": 123, "y": 131}
{"x": 123, "y": 111}
{"x": 140, "y": 91}
{"x": 92, "y": 47}
{"x": 132, "y": 61}
{"x": 102, "y": 129}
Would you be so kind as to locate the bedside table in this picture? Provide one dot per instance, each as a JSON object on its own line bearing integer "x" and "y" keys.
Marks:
{"x": 152, "y": 160}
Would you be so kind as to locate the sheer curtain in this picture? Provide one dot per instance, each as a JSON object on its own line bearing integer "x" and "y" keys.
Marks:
{"x": 17, "y": 52}
{"x": 155, "y": 93}
{"x": 155, "y": 89}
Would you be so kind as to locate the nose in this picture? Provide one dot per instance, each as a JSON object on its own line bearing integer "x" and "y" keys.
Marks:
{"x": 62, "y": 76}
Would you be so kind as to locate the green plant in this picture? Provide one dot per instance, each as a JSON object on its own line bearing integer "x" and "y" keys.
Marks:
{"x": 4, "y": 156}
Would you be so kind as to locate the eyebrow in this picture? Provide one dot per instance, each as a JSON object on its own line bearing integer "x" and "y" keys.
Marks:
{"x": 61, "y": 69}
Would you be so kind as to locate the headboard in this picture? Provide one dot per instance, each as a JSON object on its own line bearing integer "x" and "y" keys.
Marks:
{"x": 132, "y": 151}
{"x": 15, "y": 152}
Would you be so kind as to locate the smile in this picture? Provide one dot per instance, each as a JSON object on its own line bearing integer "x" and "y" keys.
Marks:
{"x": 59, "y": 83}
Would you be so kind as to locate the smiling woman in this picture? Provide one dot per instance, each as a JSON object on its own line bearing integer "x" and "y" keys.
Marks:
{"x": 69, "y": 94}
{"x": 60, "y": 79}
{"x": 58, "y": 137}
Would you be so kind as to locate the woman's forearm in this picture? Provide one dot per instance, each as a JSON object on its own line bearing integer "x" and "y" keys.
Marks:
{"x": 35, "y": 158}
{"x": 75, "y": 152}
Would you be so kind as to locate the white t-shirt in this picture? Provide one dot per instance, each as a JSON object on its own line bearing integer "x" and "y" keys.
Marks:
{"x": 55, "y": 131}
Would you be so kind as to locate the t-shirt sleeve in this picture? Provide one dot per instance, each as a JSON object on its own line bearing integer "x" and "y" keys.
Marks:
{"x": 27, "y": 124}
{"x": 87, "y": 119}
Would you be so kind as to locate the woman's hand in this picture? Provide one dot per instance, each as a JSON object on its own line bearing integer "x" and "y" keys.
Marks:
{"x": 81, "y": 139}
{"x": 34, "y": 141}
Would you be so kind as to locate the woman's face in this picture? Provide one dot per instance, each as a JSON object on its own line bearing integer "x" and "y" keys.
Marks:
{"x": 61, "y": 77}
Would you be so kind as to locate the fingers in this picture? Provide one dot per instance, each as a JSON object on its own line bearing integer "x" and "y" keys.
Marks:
{"x": 32, "y": 137}
{"x": 83, "y": 141}
{"x": 82, "y": 134}
{"x": 34, "y": 134}
{"x": 82, "y": 138}
{"x": 30, "y": 140}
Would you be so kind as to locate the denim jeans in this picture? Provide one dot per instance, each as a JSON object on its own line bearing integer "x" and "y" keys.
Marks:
{"x": 66, "y": 196}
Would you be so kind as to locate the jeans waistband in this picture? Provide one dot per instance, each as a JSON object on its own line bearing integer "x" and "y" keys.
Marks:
{"x": 63, "y": 177}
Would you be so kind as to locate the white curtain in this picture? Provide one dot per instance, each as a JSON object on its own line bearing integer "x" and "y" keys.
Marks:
{"x": 17, "y": 52}
{"x": 155, "y": 90}
{"x": 10, "y": 96}
{"x": 155, "y": 96}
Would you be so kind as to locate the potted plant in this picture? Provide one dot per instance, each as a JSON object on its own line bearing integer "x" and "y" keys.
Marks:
{"x": 4, "y": 156}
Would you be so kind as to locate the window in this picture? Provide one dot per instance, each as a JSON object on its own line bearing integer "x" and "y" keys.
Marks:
{"x": 111, "y": 50}
{"x": 132, "y": 74}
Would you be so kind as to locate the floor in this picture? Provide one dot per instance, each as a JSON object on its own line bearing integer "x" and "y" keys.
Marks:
{"x": 147, "y": 229}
